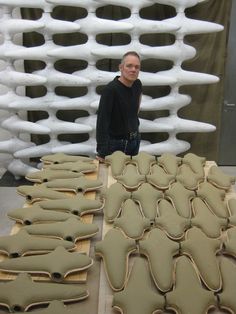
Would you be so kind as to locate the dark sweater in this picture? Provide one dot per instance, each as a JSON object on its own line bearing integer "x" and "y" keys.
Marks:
{"x": 117, "y": 113}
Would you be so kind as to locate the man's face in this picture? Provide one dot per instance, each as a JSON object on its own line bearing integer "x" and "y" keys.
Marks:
{"x": 130, "y": 68}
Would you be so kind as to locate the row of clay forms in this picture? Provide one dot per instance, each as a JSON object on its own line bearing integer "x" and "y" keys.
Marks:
{"x": 170, "y": 234}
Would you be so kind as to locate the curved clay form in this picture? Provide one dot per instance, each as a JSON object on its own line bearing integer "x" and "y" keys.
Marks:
{"x": 196, "y": 163}
{"x": 226, "y": 297}
{"x": 189, "y": 179}
{"x": 130, "y": 178}
{"x": 35, "y": 214}
{"x": 60, "y": 158}
{"x": 214, "y": 198}
{"x": 139, "y": 295}
{"x": 77, "y": 166}
{"x": 170, "y": 222}
{"x": 117, "y": 161}
{"x": 188, "y": 295}
{"x": 72, "y": 229}
{"x": 115, "y": 249}
{"x": 180, "y": 199}
{"x": 143, "y": 162}
{"x": 159, "y": 178}
{"x": 204, "y": 219}
{"x": 131, "y": 222}
{"x": 220, "y": 179}
{"x": 23, "y": 293}
{"x": 147, "y": 196}
{"x": 114, "y": 197}
{"x": 78, "y": 205}
{"x": 200, "y": 249}
{"x": 46, "y": 175}
{"x": 160, "y": 250}
{"x": 230, "y": 242}
{"x": 170, "y": 163}
{"x": 232, "y": 210}
{"x": 76, "y": 185}
{"x": 57, "y": 264}
{"x": 38, "y": 193}
{"x": 22, "y": 243}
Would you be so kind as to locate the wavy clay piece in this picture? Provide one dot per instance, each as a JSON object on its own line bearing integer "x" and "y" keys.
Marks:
{"x": 200, "y": 249}
{"x": 159, "y": 178}
{"x": 214, "y": 199}
{"x": 35, "y": 214}
{"x": 230, "y": 242}
{"x": 147, "y": 197}
{"x": 57, "y": 265}
{"x": 115, "y": 249}
{"x": 22, "y": 243}
{"x": 232, "y": 211}
{"x": 189, "y": 179}
{"x": 72, "y": 230}
{"x": 170, "y": 222}
{"x": 23, "y": 293}
{"x": 114, "y": 197}
{"x": 143, "y": 162}
{"x": 170, "y": 163}
{"x": 131, "y": 222}
{"x": 226, "y": 297}
{"x": 60, "y": 158}
{"x": 38, "y": 193}
{"x": 78, "y": 166}
{"x": 78, "y": 205}
{"x": 47, "y": 175}
{"x": 180, "y": 198}
{"x": 188, "y": 295}
{"x": 76, "y": 185}
{"x": 220, "y": 179}
{"x": 130, "y": 178}
{"x": 195, "y": 162}
{"x": 117, "y": 161}
{"x": 160, "y": 250}
{"x": 204, "y": 219}
{"x": 139, "y": 295}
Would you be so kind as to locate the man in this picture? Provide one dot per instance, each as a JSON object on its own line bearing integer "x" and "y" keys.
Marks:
{"x": 117, "y": 118}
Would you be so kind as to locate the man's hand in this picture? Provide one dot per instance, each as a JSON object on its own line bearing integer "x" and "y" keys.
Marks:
{"x": 100, "y": 159}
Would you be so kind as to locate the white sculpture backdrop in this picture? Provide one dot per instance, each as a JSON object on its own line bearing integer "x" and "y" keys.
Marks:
{"x": 15, "y": 151}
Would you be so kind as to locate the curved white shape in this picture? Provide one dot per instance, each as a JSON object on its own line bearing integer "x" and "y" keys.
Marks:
{"x": 90, "y": 5}
{"x": 134, "y": 6}
{"x": 15, "y": 26}
{"x": 24, "y": 3}
{"x": 13, "y": 78}
{"x": 83, "y": 148}
{"x": 147, "y": 126}
{"x": 20, "y": 169}
{"x": 13, "y": 145}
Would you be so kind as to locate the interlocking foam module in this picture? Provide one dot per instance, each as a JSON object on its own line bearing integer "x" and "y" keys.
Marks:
{"x": 76, "y": 185}
{"x": 139, "y": 295}
{"x": 57, "y": 265}
{"x": 117, "y": 161}
{"x": 60, "y": 158}
{"x": 46, "y": 175}
{"x": 219, "y": 179}
{"x": 77, "y": 166}
{"x": 147, "y": 197}
{"x": 230, "y": 242}
{"x": 77, "y": 205}
{"x": 160, "y": 250}
{"x": 114, "y": 196}
{"x": 195, "y": 162}
{"x": 72, "y": 229}
{"x": 204, "y": 219}
{"x": 188, "y": 295}
{"x": 170, "y": 222}
{"x": 189, "y": 179}
{"x": 130, "y": 178}
{"x": 159, "y": 178}
{"x": 200, "y": 249}
{"x": 180, "y": 198}
{"x": 131, "y": 222}
{"x": 22, "y": 243}
{"x": 214, "y": 198}
{"x": 143, "y": 161}
{"x": 115, "y": 249}
{"x": 35, "y": 214}
{"x": 23, "y": 293}
{"x": 232, "y": 210}
{"x": 37, "y": 193}
{"x": 169, "y": 162}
